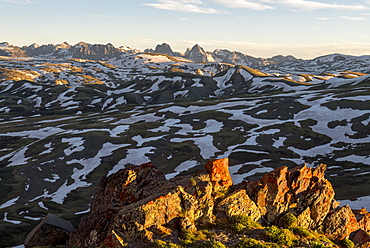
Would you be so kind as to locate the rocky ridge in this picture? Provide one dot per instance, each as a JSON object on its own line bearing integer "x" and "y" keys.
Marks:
{"x": 83, "y": 50}
{"x": 137, "y": 206}
{"x": 119, "y": 55}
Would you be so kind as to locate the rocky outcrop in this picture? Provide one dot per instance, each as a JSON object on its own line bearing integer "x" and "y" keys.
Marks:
{"x": 138, "y": 205}
{"x": 51, "y": 231}
{"x": 302, "y": 191}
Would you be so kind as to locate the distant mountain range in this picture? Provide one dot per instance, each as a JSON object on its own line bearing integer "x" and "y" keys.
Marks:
{"x": 197, "y": 54}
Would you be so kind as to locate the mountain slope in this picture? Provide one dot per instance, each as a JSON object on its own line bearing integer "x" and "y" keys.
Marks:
{"x": 66, "y": 123}
{"x": 9, "y": 50}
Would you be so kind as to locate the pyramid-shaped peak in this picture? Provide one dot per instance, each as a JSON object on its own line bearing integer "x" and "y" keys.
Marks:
{"x": 34, "y": 45}
{"x": 197, "y": 54}
{"x": 196, "y": 46}
{"x": 64, "y": 45}
{"x": 82, "y": 43}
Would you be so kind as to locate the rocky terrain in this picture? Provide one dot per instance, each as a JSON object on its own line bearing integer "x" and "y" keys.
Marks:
{"x": 66, "y": 122}
{"x": 138, "y": 207}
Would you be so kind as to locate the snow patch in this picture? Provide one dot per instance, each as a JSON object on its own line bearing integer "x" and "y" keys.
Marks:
{"x": 182, "y": 167}
{"x": 140, "y": 140}
{"x": 135, "y": 156}
{"x": 118, "y": 130}
{"x": 16, "y": 222}
{"x": 75, "y": 143}
{"x": 79, "y": 175}
{"x": 361, "y": 202}
{"x": 9, "y": 203}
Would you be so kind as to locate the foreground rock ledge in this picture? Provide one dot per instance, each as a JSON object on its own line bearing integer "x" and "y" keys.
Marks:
{"x": 137, "y": 205}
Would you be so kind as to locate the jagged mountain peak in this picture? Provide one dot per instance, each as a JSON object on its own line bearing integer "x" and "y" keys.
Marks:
{"x": 196, "y": 47}
{"x": 198, "y": 54}
{"x": 64, "y": 45}
{"x": 164, "y": 48}
{"x": 34, "y": 46}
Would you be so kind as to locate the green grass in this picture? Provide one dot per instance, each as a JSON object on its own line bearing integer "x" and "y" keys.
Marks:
{"x": 281, "y": 236}
{"x": 347, "y": 243}
{"x": 240, "y": 223}
{"x": 164, "y": 244}
{"x": 288, "y": 220}
{"x": 253, "y": 243}
{"x": 302, "y": 232}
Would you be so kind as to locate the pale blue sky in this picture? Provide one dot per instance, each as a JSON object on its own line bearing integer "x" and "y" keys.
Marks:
{"x": 261, "y": 28}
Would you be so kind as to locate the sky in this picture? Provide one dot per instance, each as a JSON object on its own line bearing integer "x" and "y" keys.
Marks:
{"x": 261, "y": 28}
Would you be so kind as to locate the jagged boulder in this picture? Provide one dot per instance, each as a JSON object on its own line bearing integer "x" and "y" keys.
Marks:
{"x": 123, "y": 188}
{"x": 51, "y": 231}
{"x": 304, "y": 191}
{"x": 340, "y": 223}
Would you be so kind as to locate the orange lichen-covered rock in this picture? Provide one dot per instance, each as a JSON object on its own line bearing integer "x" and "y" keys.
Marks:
{"x": 124, "y": 188}
{"x": 137, "y": 205}
{"x": 340, "y": 223}
{"x": 140, "y": 205}
{"x": 219, "y": 172}
{"x": 296, "y": 190}
{"x": 238, "y": 203}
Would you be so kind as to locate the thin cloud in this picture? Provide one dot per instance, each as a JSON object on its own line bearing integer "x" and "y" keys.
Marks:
{"x": 18, "y": 1}
{"x": 323, "y": 18}
{"x": 245, "y": 4}
{"x": 353, "y": 18}
{"x": 187, "y": 6}
{"x": 105, "y": 16}
{"x": 312, "y": 5}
